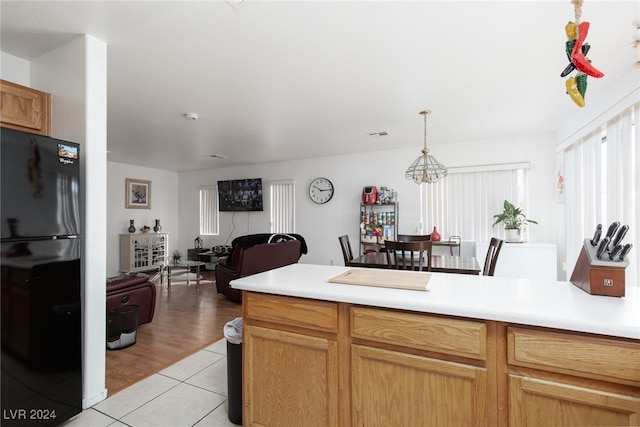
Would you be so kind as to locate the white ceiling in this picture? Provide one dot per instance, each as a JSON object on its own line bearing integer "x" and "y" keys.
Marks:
{"x": 276, "y": 80}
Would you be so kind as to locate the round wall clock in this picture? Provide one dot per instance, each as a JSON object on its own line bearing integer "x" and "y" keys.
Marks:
{"x": 321, "y": 190}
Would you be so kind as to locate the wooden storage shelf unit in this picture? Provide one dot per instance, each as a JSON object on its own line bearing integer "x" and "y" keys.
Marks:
{"x": 143, "y": 252}
{"x": 377, "y": 218}
{"x": 25, "y": 109}
{"x": 194, "y": 254}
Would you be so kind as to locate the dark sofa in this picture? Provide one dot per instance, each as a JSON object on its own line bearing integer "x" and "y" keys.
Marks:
{"x": 133, "y": 289}
{"x": 256, "y": 253}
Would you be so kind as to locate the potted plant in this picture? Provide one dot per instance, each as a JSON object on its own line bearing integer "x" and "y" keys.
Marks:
{"x": 514, "y": 220}
{"x": 177, "y": 256}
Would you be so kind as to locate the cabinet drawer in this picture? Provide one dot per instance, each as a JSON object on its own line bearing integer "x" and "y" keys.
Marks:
{"x": 615, "y": 360}
{"x": 311, "y": 314}
{"x": 459, "y": 337}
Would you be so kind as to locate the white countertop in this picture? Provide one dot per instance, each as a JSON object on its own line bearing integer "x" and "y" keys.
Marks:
{"x": 551, "y": 304}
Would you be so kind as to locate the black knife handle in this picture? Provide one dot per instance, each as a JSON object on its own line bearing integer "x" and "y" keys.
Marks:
{"x": 596, "y": 235}
{"x": 603, "y": 246}
{"x": 612, "y": 229}
{"x": 614, "y": 252}
{"x": 618, "y": 239}
{"x": 625, "y": 251}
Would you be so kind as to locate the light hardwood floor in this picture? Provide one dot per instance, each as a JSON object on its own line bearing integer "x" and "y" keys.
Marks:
{"x": 187, "y": 319}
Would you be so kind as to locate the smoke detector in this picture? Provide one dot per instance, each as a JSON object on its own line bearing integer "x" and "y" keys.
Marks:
{"x": 192, "y": 116}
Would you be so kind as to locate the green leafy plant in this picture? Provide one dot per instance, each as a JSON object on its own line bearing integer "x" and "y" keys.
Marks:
{"x": 177, "y": 256}
{"x": 512, "y": 217}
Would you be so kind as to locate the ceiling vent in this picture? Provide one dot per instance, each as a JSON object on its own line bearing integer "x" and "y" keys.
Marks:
{"x": 380, "y": 134}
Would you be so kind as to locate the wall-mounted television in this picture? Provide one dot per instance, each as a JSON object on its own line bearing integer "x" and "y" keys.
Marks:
{"x": 240, "y": 195}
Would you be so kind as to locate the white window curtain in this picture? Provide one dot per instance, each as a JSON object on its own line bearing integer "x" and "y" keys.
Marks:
{"x": 463, "y": 203}
{"x": 602, "y": 177}
{"x": 209, "y": 224}
{"x": 282, "y": 195}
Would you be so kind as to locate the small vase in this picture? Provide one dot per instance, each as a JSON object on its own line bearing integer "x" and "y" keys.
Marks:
{"x": 435, "y": 236}
{"x": 132, "y": 228}
{"x": 157, "y": 228}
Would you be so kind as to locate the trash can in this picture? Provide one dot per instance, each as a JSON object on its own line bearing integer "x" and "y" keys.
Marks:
{"x": 233, "y": 334}
{"x": 122, "y": 323}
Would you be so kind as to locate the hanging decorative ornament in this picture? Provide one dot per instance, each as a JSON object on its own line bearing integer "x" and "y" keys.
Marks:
{"x": 577, "y": 50}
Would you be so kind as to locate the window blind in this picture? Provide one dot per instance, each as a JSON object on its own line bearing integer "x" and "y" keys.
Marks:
{"x": 209, "y": 223}
{"x": 282, "y": 197}
{"x": 602, "y": 177}
{"x": 463, "y": 203}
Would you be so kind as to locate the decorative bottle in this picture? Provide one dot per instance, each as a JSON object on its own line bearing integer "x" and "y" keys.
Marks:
{"x": 435, "y": 236}
{"x": 157, "y": 228}
{"x": 132, "y": 228}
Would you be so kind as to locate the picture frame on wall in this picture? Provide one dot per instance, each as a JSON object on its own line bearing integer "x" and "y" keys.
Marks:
{"x": 138, "y": 194}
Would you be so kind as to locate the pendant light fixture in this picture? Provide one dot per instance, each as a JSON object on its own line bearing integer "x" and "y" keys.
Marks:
{"x": 426, "y": 168}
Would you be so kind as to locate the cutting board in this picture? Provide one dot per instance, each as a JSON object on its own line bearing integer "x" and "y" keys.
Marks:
{"x": 412, "y": 280}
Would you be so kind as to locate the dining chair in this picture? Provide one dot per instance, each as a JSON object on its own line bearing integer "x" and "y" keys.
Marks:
{"x": 492, "y": 256}
{"x": 413, "y": 237}
{"x": 347, "y": 253}
{"x": 409, "y": 255}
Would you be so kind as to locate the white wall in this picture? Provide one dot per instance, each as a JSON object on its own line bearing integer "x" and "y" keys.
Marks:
{"x": 15, "y": 70}
{"x": 75, "y": 76}
{"x": 164, "y": 206}
{"x": 322, "y": 224}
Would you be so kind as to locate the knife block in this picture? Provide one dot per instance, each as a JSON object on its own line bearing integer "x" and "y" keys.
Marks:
{"x": 599, "y": 276}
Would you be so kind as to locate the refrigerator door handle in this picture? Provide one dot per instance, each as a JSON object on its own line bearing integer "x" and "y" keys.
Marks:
{"x": 38, "y": 238}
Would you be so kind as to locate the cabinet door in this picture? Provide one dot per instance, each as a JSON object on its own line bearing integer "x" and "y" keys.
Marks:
{"x": 535, "y": 402}
{"x": 24, "y": 109}
{"x": 397, "y": 389}
{"x": 289, "y": 379}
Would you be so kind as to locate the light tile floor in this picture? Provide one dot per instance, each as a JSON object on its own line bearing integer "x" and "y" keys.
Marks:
{"x": 191, "y": 392}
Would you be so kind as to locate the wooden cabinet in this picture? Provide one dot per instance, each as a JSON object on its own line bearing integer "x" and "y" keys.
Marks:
{"x": 417, "y": 369}
{"x": 328, "y": 363}
{"x": 290, "y": 374}
{"x": 143, "y": 252}
{"x": 194, "y": 254}
{"x": 558, "y": 378}
{"x": 309, "y": 362}
{"x": 25, "y": 109}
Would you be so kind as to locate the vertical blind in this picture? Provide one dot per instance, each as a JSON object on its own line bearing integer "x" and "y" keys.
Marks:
{"x": 602, "y": 178}
{"x": 282, "y": 195}
{"x": 208, "y": 210}
{"x": 463, "y": 203}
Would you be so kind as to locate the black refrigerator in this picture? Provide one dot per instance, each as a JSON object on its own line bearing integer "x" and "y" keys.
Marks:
{"x": 41, "y": 370}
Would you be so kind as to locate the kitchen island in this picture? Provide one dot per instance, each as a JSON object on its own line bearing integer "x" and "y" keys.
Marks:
{"x": 470, "y": 351}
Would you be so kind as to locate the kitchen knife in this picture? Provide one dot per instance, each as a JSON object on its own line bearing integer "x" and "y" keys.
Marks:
{"x": 603, "y": 247}
{"x": 596, "y": 235}
{"x": 613, "y": 252}
{"x": 618, "y": 239}
{"x": 612, "y": 229}
{"x": 625, "y": 251}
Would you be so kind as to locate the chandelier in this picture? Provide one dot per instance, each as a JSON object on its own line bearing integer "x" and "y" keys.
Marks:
{"x": 425, "y": 168}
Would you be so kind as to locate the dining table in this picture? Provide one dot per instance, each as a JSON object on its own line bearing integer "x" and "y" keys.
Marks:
{"x": 439, "y": 263}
